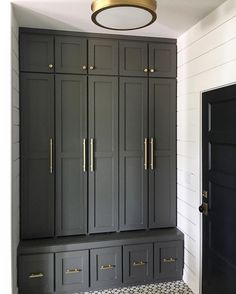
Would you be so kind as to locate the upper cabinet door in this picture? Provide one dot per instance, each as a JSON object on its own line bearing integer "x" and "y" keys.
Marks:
{"x": 133, "y": 153}
{"x": 133, "y": 58}
{"x": 162, "y": 133}
{"x": 71, "y": 134}
{"x": 71, "y": 55}
{"x": 37, "y": 53}
{"x": 103, "y": 155}
{"x": 103, "y": 57}
{"x": 162, "y": 60}
{"x": 37, "y": 155}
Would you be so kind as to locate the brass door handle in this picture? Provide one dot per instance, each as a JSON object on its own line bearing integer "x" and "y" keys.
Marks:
{"x": 145, "y": 154}
{"x": 107, "y": 267}
{"x": 139, "y": 263}
{"x": 36, "y": 275}
{"x": 152, "y": 154}
{"x": 51, "y": 155}
{"x": 204, "y": 208}
{"x": 73, "y": 271}
{"x": 91, "y": 154}
{"x": 84, "y": 155}
{"x": 169, "y": 260}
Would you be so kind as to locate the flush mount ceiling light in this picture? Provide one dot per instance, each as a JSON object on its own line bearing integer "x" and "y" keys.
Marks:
{"x": 123, "y": 15}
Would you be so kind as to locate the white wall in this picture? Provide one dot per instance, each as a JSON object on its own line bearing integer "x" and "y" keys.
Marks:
{"x": 5, "y": 149}
{"x": 206, "y": 59}
{"x": 15, "y": 148}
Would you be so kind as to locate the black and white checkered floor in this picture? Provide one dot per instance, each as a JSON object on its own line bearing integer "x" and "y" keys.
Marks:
{"x": 160, "y": 288}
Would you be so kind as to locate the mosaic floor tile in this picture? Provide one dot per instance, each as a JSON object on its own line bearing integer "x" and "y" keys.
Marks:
{"x": 161, "y": 288}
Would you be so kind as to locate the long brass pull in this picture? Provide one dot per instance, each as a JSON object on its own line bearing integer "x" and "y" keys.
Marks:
{"x": 73, "y": 271}
{"x": 84, "y": 155}
{"x": 91, "y": 154}
{"x": 140, "y": 263}
{"x": 152, "y": 153}
{"x": 145, "y": 154}
{"x": 36, "y": 275}
{"x": 107, "y": 267}
{"x": 51, "y": 155}
{"x": 169, "y": 260}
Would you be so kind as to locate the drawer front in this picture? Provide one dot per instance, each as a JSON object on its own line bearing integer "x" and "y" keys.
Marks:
{"x": 72, "y": 273}
{"x": 106, "y": 267}
{"x": 36, "y": 274}
{"x": 138, "y": 263}
{"x": 168, "y": 260}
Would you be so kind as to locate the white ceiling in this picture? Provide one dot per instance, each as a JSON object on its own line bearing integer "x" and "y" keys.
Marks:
{"x": 174, "y": 16}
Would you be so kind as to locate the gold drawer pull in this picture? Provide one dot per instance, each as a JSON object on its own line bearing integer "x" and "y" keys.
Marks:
{"x": 36, "y": 275}
{"x": 73, "y": 271}
{"x": 140, "y": 263}
{"x": 107, "y": 267}
{"x": 169, "y": 260}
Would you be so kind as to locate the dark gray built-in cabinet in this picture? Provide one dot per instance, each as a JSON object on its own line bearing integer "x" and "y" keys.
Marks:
{"x": 98, "y": 161}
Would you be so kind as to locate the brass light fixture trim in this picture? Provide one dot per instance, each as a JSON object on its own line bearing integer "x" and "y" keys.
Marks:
{"x": 99, "y": 6}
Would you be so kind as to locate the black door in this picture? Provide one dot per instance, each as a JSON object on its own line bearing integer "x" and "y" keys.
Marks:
{"x": 162, "y": 155}
{"x": 133, "y": 153}
{"x": 71, "y": 134}
{"x": 103, "y": 155}
{"x": 219, "y": 195}
{"x": 37, "y": 155}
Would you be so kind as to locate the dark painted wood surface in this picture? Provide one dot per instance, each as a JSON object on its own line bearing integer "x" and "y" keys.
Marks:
{"x": 162, "y": 177}
{"x": 103, "y": 177}
{"x": 72, "y": 271}
{"x": 37, "y": 181}
{"x": 219, "y": 181}
{"x": 133, "y": 131}
{"x": 37, "y": 53}
{"x": 71, "y": 55}
{"x": 71, "y": 178}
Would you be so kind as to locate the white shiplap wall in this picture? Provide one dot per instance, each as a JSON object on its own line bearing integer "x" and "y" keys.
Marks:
{"x": 15, "y": 150}
{"x": 206, "y": 60}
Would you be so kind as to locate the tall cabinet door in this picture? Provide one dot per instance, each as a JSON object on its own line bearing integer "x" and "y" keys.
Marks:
{"x": 133, "y": 172}
{"x": 71, "y": 134}
{"x": 162, "y": 131}
{"x": 37, "y": 155}
{"x": 103, "y": 155}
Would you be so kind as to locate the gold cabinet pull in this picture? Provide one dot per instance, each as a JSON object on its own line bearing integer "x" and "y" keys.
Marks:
{"x": 84, "y": 67}
{"x": 91, "y": 67}
{"x": 51, "y": 155}
{"x": 107, "y": 267}
{"x": 152, "y": 70}
{"x": 169, "y": 260}
{"x": 36, "y": 275}
{"x": 91, "y": 154}
{"x": 50, "y": 66}
{"x": 145, "y": 154}
{"x": 84, "y": 155}
{"x": 145, "y": 70}
{"x": 73, "y": 271}
{"x": 152, "y": 154}
{"x": 139, "y": 263}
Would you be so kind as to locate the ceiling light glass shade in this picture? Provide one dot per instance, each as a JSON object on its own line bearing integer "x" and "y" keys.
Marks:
{"x": 123, "y": 15}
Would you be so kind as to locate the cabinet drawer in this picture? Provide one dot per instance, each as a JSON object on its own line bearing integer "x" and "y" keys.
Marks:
{"x": 36, "y": 274}
{"x": 168, "y": 260}
{"x": 106, "y": 267}
{"x": 72, "y": 271}
{"x": 138, "y": 263}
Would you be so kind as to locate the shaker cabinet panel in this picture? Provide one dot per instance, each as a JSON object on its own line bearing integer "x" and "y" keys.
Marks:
{"x": 37, "y": 53}
{"x": 72, "y": 271}
{"x": 103, "y": 154}
{"x": 37, "y": 155}
{"x": 133, "y": 153}
{"x": 71, "y": 131}
{"x": 71, "y": 55}
{"x": 103, "y": 57}
{"x": 162, "y": 155}
{"x": 133, "y": 58}
{"x": 36, "y": 274}
{"x": 162, "y": 60}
